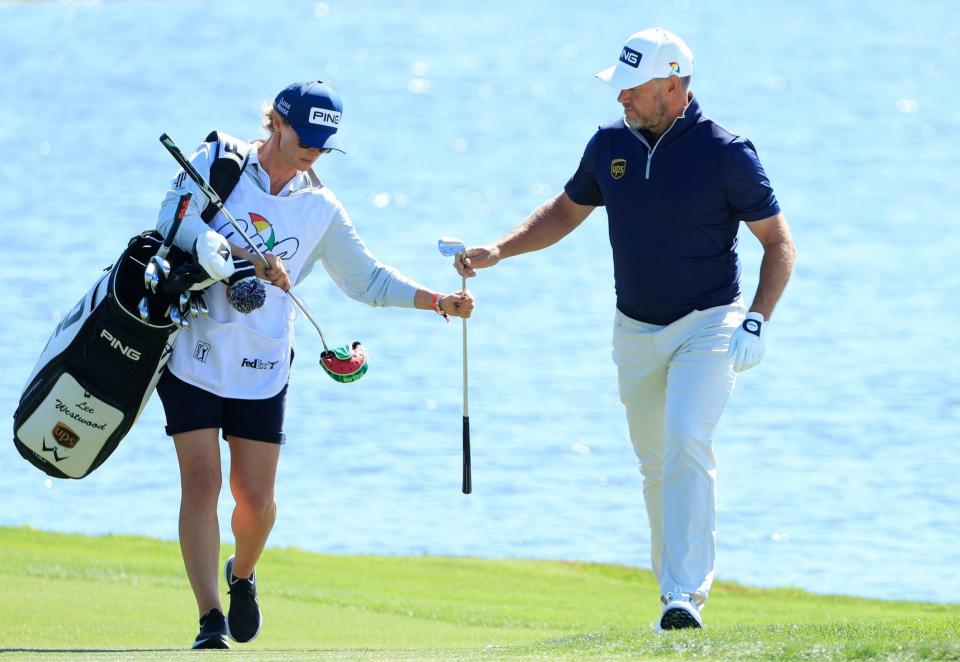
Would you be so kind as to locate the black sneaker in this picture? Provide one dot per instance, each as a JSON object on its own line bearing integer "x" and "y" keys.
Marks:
{"x": 244, "y": 618}
{"x": 213, "y": 631}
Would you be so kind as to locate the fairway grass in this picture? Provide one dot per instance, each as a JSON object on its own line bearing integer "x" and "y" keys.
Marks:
{"x": 69, "y": 597}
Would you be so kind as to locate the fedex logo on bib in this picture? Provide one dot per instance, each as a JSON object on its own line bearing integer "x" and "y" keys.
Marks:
{"x": 631, "y": 57}
{"x": 324, "y": 117}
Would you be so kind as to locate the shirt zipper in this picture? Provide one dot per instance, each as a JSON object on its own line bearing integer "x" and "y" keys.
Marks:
{"x": 651, "y": 150}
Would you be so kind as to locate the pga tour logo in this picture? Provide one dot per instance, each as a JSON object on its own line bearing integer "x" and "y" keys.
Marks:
{"x": 631, "y": 57}
{"x": 324, "y": 117}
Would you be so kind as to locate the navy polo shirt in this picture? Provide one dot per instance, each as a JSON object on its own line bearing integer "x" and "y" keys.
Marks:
{"x": 673, "y": 210}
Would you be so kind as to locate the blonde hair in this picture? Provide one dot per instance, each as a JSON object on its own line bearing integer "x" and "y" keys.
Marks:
{"x": 267, "y": 113}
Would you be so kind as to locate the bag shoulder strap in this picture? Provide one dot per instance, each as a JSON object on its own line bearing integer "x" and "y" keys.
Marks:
{"x": 228, "y": 164}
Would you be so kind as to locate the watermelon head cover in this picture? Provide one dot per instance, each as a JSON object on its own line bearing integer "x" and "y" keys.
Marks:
{"x": 346, "y": 363}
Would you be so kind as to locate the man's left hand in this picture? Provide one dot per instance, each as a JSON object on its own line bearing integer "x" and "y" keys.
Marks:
{"x": 746, "y": 344}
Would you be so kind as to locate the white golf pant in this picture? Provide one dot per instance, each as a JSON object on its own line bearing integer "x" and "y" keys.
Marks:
{"x": 674, "y": 382}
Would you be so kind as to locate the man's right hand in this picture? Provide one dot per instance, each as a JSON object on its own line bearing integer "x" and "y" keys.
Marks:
{"x": 478, "y": 257}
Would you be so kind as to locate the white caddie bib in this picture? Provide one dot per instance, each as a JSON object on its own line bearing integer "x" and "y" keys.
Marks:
{"x": 247, "y": 356}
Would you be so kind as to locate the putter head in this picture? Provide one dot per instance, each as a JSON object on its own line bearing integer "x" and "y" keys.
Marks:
{"x": 449, "y": 246}
{"x": 144, "y": 309}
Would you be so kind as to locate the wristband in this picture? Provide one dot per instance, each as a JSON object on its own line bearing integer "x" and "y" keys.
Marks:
{"x": 436, "y": 307}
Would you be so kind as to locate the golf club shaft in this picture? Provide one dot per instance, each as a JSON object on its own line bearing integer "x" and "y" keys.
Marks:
{"x": 467, "y": 486}
{"x": 182, "y": 206}
{"x": 466, "y": 407}
{"x": 215, "y": 200}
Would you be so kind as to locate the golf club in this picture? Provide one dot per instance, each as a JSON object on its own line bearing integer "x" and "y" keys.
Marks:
{"x": 452, "y": 247}
{"x": 346, "y": 363}
{"x": 202, "y": 305}
{"x": 158, "y": 264}
{"x": 173, "y": 312}
{"x": 144, "y": 309}
{"x": 151, "y": 275}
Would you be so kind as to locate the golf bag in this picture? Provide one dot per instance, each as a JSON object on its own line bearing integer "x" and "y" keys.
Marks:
{"x": 103, "y": 361}
{"x": 98, "y": 369}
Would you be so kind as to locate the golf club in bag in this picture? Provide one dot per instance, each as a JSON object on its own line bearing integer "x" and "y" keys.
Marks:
{"x": 346, "y": 363}
{"x": 102, "y": 362}
{"x": 452, "y": 247}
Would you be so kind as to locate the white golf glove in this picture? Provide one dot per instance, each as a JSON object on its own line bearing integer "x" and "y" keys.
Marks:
{"x": 213, "y": 254}
{"x": 746, "y": 344}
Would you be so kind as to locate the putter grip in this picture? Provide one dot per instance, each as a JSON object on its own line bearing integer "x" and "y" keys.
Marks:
{"x": 188, "y": 168}
{"x": 467, "y": 478}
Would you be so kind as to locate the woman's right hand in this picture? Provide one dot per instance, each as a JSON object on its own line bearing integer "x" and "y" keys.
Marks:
{"x": 457, "y": 304}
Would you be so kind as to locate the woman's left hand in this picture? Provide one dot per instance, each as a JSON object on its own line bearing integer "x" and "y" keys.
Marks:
{"x": 276, "y": 274}
{"x": 457, "y": 304}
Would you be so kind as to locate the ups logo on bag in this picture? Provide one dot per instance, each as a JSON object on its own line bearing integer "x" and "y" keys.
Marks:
{"x": 617, "y": 168}
{"x": 65, "y": 436}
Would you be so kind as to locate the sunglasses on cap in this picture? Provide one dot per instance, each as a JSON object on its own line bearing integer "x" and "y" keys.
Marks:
{"x": 303, "y": 145}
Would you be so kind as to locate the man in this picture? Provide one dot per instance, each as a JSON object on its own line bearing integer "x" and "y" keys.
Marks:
{"x": 675, "y": 185}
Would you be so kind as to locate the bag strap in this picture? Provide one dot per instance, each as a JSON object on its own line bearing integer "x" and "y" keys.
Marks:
{"x": 228, "y": 164}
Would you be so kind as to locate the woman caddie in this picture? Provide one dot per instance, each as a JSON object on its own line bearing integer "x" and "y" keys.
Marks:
{"x": 228, "y": 374}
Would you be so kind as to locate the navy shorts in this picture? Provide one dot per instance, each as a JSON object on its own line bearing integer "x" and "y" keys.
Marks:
{"x": 189, "y": 407}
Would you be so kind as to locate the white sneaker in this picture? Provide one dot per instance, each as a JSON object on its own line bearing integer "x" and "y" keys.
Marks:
{"x": 680, "y": 612}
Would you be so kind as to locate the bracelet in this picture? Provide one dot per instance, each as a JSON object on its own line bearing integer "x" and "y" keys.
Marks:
{"x": 436, "y": 307}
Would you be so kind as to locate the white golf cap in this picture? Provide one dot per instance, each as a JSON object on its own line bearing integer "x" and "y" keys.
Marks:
{"x": 649, "y": 54}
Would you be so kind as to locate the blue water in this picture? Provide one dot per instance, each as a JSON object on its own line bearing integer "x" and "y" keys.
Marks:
{"x": 838, "y": 455}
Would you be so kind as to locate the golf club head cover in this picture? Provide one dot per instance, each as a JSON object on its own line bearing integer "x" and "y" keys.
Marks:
{"x": 242, "y": 269}
{"x": 245, "y": 291}
{"x": 247, "y": 294}
{"x": 345, "y": 363}
{"x": 212, "y": 252}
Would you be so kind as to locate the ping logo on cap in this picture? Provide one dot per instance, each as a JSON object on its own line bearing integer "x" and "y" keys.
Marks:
{"x": 324, "y": 117}
{"x": 631, "y": 57}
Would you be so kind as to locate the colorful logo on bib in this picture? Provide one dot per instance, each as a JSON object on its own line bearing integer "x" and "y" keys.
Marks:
{"x": 264, "y": 229}
{"x": 261, "y": 232}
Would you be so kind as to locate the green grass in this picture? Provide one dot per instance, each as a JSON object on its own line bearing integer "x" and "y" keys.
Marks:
{"x": 67, "y": 597}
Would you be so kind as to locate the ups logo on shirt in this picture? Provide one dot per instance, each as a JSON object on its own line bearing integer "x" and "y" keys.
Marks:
{"x": 617, "y": 168}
